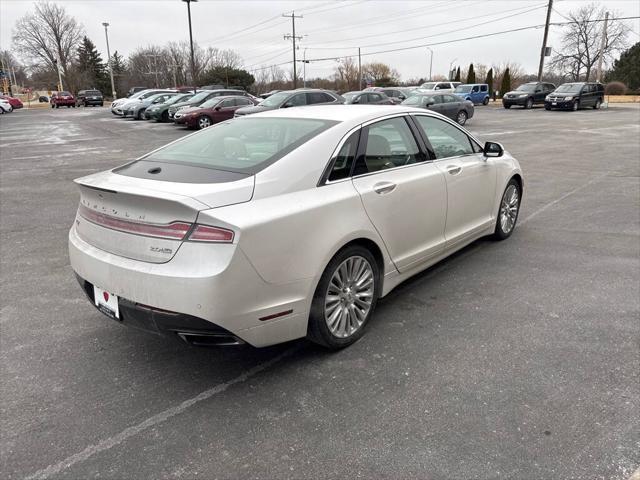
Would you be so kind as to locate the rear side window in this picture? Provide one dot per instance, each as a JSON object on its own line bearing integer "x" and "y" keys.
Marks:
{"x": 318, "y": 97}
{"x": 297, "y": 100}
{"x": 243, "y": 145}
{"x": 445, "y": 139}
{"x": 343, "y": 161}
{"x": 483, "y": 88}
{"x": 389, "y": 144}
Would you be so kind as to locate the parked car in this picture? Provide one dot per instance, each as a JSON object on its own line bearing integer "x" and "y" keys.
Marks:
{"x": 213, "y": 111}
{"x": 160, "y": 111}
{"x": 118, "y": 105}
{"x": 269, "y": 93}
{"x": 367, "y": 98}
{"x": 133, "y": 90}
{"x": 574, "y": 96}
{"x": 199, "y": 98}
{"x": 272, "y": 227}
{"x": 394, "y": 93}
{"x": 89, "y": 97}
{"x": 442, "y": 87}
{"x": 5, "y": 106}
{"x": 136, "y": 108}
{"x": 15, "y": 103}
{"x": 474, "y": 92}
{"x": 528, "y": 94}
{"x": 446, "y": 104}
{"x": 293, "y": 98}
{"x": 43, "y": 99}
{"x": 63, "y": 99}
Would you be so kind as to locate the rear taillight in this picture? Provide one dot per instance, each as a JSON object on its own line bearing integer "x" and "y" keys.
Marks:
{"x": 171, "y": 231}
{"x": 205, "y": 233}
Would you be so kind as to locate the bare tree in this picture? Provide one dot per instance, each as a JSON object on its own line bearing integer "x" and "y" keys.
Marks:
{"x": 381, "y": 73}
{"x": 580, "y": 50}
{"x": 346, "y": 74}
{"x": 48, "y": 34}
{"x": 223, "y": 58}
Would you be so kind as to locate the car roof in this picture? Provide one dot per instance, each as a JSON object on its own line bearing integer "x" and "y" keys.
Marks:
{"x": 356, "y": 113}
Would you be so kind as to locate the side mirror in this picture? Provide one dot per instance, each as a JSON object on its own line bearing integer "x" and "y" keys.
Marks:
{"x": 493, "y": 149}
{"x": 429, "y": 104}
{"x": 356, "y": 100}
{"x": 217, "y": 109}
{"x": 402, "y": 97}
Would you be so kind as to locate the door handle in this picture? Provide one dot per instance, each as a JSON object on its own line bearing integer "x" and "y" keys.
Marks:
{"x": 384, "y": 187}
{"x": 453, "y": 169}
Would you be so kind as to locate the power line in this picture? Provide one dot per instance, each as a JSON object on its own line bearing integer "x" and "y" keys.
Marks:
{"x": 435, "y": 34}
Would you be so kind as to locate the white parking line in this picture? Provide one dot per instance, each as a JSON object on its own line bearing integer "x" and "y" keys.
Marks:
{"x": 161, "y": 417}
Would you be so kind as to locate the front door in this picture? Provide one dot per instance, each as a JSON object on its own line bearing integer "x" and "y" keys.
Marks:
{"x": 403, "y": 193}
{"x": 470, "y": 177}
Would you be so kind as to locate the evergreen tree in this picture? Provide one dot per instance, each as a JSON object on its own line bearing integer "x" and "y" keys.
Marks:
{"x": 489, "y": 81}
{"x": 506, "y": 82}
{"x": 457, "y": 77}
{"x": 627, "y": 68}
{"x": 471, "y": 75}
{"x": 91, "y": 67}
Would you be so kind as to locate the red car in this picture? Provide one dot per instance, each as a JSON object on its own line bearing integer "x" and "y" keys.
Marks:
{"x": 212, "y": 111}
{"x": 63, "y": 99}
{"x": 13, "y": 101}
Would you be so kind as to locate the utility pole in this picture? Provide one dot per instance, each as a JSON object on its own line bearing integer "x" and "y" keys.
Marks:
{"x": 602, "y": 45}
{"x": 304, "y": 67}
{"x": 430, "y": 64}
{"x": 293, "y": 37}
{"x": 193, "y": 63}
{"x": 544, "y": 40}
{"x": 106, "y": 35}
{"x": 451, "y": 73}
{"x": 359, "y": 69}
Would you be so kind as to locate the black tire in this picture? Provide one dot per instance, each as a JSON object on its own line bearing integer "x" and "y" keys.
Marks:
{"x": 500, "y": 233}
{"x": 462, "y": 117}
{"x": 507, "y": 106}
{"x": 547, "y": 107}
{"x": 140, "y": 113}
{"x": 485, "y": 101}
{"x": 597, "y": 104}
{"x": 318, "y": 330}
{"x": 575, "y": 106}
{"x": 164, "y": 117}
{"x": 529, "y": 104}
{"x": 53, "y": 106}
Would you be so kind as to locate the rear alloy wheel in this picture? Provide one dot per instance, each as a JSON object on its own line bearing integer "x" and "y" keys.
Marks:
{"x": 140, "y": 114}
{"x": 575, "y": 106}
{"x": 529, "y": 103}
{"x": 597, "y": 105}
{"x": 345, "y": 298}
{"x": 204, "y": 122}
{"x": 509, "y": 209}
{"x": 461, "y": 118}
{"x": 486, "y": 101}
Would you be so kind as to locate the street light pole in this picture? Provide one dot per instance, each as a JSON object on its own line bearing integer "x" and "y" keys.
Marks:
{"x": 193, "y": 75}
{"x": 106, "y": 35}
{"x": 304, "y": 68}
{"x": 450, "y": 67}
{"x": 430, "y": 64}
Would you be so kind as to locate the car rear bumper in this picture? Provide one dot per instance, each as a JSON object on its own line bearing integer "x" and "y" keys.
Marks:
{"x": 223, "y": 292}
{"x": 93, "y": 102}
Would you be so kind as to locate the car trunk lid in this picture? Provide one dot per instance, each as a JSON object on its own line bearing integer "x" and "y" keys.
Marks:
{"x": 146, "y": 219}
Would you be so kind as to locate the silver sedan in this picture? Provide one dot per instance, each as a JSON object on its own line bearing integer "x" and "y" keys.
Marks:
{"x": 286, "y": 224}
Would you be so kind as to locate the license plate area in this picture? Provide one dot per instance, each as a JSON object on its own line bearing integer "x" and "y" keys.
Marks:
{"x": 106, "y": 302}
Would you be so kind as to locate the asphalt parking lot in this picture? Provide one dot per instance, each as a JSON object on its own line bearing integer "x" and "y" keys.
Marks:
{"x": 517, "y": 359}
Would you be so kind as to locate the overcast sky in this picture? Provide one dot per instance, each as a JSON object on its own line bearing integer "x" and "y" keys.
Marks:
{"x": 330, "y": 28}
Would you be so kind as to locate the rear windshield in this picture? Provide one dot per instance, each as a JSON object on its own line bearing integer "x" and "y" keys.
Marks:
{"x": 64, "y": 93}
{"x": 243, "y": 145}
{"x": 92, "y": 92}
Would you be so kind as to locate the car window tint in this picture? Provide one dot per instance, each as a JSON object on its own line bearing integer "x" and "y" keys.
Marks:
{"x": 297, "y": 100}
{"x": 430, "y": 100}
{"x": 446, "y": 140}
{"x": 390, "y": 144}
{"x": 450, "y": 98}
{"x": 344, "y": 159}
{"x": 244, "y": 145}
{"x": 230, "y": 102}
{"x": 483, "y": 88}
{"x": 375, "y": 97}
{"x": 475, "y": 89}
{"x": 317, "y": 97}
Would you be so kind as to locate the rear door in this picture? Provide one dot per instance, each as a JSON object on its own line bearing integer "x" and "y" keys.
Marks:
{"x": 403, "y": 192}
{"x": 470, "y": 178}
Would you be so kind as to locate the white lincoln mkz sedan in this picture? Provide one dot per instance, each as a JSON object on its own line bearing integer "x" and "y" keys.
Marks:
{"x": 286, "y": 224}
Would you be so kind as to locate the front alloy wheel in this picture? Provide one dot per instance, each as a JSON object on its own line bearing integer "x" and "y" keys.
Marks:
{"x": 509, "y": 209}
{"x": 345, "y": 298}
{"x": 575, "y": 106}
{"x": 461, "y": 118}
{"x": 529, "y": 104}
{"x": 204, "y": 122}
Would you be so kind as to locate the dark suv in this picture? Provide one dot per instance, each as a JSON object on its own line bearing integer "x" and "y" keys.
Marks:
{"x": 528, "y": 94}
{"x": 361, "y": 98}
{"x": 89, "y": 97}
{"x": 574, "y": 96}
{"x": 293, "y": 98}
